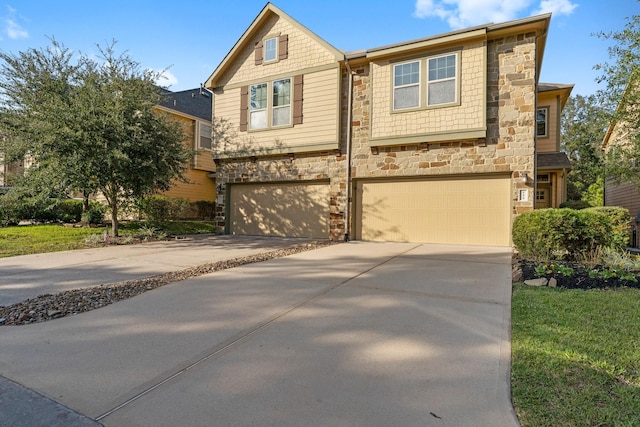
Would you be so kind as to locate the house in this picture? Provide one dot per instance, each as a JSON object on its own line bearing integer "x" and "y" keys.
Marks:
{"x": 192, "y": 108}
{"x": 429, "y": 140}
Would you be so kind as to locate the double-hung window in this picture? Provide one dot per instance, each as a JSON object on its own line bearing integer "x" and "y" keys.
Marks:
{"x": 204, "y": 136}
{"x": 271, "y": 49}
{"x": 270, "y": 104}
{"x": 406, "y": 85}
{"x": 426, "y": 82}
{"x": 442, "y": 80}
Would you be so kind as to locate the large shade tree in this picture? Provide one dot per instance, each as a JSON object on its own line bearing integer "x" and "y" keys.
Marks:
{"x": 89, "y": 125}
{"x": 622, "y": 95}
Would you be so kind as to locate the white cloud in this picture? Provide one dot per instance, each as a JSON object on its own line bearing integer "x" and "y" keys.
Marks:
{"x": 556, "y": 7}
{"x": 467, "y": 13}
{"x": 12, "y": 28}
{"x": 166, "y": 79}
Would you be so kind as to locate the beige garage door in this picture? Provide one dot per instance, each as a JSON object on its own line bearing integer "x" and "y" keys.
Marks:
{"x": 286, "y": 210}
{"x": 456, "y": 211}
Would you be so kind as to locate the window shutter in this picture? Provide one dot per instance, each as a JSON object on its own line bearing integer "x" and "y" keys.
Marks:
{"x": 258, "y": 53}
{"x": 283, "y": 48}
{"x": 244, "y": 108}
{"x": 297, "y": 99}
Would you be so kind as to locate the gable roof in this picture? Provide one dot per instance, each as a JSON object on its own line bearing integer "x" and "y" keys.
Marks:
{"x": 193, "y": 102}
{"x": 255, "y": 26}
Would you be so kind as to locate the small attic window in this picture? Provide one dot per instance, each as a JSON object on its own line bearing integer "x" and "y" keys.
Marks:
{"x": 271, "y": 49}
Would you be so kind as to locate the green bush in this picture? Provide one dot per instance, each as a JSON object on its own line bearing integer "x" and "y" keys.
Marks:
{"x": 157, "y": 209}
{"x": 575, "y": 204}
{"x": 548, "y": 234}
{"x": 95, "y": 214}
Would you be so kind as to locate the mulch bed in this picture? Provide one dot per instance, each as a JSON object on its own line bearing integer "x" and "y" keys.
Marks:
{"x": 578, "y": 280}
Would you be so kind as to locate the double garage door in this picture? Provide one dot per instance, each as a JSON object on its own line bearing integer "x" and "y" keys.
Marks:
{"x": 450, "y": 210}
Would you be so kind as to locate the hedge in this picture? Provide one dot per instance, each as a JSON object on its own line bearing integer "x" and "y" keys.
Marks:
{"x": 160, "y": 209}
{"x": 549, "y": 234}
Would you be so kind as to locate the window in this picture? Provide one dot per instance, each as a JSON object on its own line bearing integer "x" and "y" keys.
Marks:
{"x": 270, "y": 104}
{"x": 271, "y": 49}
{"x": 541, "y": 195}
{"x": 204, "y": 136}
{"x": 413, "y": 87}
{"x": 406, "y": 85}
{"x": 542, "y": 177}
{"x": 258, "y": 106}
{"x": 441, "y": 80}
{"x": 281, "y": 103}
{"x": 541, "y": 121}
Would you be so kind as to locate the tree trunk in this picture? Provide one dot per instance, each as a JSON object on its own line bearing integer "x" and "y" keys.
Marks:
{"x": 114, "y": 219}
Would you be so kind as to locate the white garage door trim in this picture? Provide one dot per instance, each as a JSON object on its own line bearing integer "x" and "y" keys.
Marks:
{"x": 452, "y": 210}
{"x": 287, "y": 209}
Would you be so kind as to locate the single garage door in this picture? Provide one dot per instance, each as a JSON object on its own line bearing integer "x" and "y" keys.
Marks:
{"x": 285, "y": 210}
{"x": 470, "y": 211}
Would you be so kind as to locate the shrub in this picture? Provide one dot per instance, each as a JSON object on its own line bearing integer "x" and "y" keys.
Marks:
{"x": 575, "y": 204}
{"x": 548, "y": 234}
{"x": 95, "y": 214}
{"x": 158, "y": 209}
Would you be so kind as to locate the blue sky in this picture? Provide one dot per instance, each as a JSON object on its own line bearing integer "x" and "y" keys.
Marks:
{"x": 190, "y": 37}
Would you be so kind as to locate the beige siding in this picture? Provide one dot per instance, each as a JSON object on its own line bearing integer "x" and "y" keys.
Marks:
{"x": 199, "y": 187}
{"x": 304, "y": 52}
{"x": 287, "y": 210}
{"x": 320, "y": 110}
{"x": 473, "y": 211}
{"x": 550, "y": 143}
{"x": 625, "y": 195}
{"x": 470, "y": 114}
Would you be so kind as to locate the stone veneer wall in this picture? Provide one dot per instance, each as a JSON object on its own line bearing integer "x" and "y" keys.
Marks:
{"x": 508, "y": 148}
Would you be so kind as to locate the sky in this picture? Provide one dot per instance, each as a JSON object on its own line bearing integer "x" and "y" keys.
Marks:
{"x": 189, "y": 38}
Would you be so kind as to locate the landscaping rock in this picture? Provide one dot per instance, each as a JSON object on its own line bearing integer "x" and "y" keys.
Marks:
{"x": 536, "y": 282}
{"x": 552, "y": 282}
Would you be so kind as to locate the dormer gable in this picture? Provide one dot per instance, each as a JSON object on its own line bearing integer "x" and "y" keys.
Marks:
{"x": 274, "y": 44}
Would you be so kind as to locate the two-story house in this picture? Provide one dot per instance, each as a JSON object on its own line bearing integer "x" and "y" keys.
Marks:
{"x": 429, "y": 140}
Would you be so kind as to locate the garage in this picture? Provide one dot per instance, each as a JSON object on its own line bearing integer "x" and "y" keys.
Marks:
{"x": 468, "y": 211}
{"x": 283, "y": 209}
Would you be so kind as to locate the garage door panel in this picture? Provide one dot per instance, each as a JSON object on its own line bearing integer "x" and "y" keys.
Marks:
{"x": 285, "y": 210}
{"x": 454, "y": 211}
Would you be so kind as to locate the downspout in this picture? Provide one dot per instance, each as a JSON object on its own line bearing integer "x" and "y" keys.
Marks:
{"x": 347, "y": 210}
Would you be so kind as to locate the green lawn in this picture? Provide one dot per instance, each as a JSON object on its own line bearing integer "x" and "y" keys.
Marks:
{"x": 576, "y": 357}
{"x": 32, "y": 239}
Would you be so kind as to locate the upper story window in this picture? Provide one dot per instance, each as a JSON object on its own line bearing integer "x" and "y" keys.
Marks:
{"x": 276, "y": 94}
{"x": 204, "y": 136}
{"x": 542, "y": 122}
{"x": 271, "y": 49}
{"x": 440, "y": 82}
{"x": 406, "y": 85}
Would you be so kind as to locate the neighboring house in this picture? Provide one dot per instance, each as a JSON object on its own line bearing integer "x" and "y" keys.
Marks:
{"x": 193, "y": 108}
{"x": 625, "y": 194}
{"x": 429, "y": 140}
{"x": 552, "y": 164}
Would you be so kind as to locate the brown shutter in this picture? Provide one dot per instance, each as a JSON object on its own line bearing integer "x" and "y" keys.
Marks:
{"x": 244, "y": 108}
{"x": 297, "y": 99}
{"x": 258, "y": 53}
{"x": 283, "y": 47}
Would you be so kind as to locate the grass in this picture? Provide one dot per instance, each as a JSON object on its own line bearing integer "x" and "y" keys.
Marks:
{"x": 34, "y": 239}
{"x": 576, "y": 357}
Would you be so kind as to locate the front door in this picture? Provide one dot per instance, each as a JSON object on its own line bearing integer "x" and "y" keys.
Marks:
{"x": 542, "y": 198}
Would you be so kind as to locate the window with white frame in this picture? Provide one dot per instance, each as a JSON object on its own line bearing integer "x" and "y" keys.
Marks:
{"x": 442, "y": 84}
{"x": 281, "y": 114}
{"x": 204, "y": 136}
{"x": 406, "y": 85}
{"x": 271, "y": 49}
{"x": 542, "y": 115}
{"x": 258, "y": 106}
{"x": 270, "y": 104}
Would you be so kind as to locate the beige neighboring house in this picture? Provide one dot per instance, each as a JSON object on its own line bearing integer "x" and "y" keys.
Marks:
{"x": 429, "y": 140}
{"x": 625, "y": 194}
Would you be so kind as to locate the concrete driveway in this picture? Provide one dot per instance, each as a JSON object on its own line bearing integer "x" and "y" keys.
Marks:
{"x": 357, "y": 334}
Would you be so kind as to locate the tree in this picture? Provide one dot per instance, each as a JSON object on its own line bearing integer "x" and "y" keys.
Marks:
{"x": 90, "y": 125}
{"x": 583, "y": 127}
{"x": 621, "y": 96}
